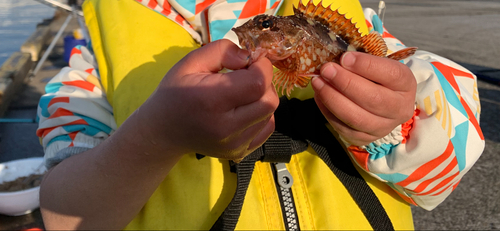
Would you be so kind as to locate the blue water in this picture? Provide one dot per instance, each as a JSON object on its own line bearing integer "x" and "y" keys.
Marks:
{"x": 18, "y": 20}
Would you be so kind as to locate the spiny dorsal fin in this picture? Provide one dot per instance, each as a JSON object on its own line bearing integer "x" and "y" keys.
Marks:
{"x": 372, "y": 43}
{"x": 403, "y": 53}
{"x": 332, "y": 19}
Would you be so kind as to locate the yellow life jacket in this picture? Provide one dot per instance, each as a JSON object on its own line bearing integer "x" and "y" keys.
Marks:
{"x": 134, "y": 48}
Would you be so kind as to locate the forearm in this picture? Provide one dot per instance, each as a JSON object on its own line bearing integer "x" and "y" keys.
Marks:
{"x": 107, "y": 186}
{"x": 193, "y": 109}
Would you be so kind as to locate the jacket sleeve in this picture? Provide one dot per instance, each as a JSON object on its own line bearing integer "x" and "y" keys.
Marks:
{"x": 425, "y": 158}
{"x": 74, "y": 114}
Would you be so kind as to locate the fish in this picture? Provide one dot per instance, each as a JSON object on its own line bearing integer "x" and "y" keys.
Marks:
{"x": 299, "y": 44}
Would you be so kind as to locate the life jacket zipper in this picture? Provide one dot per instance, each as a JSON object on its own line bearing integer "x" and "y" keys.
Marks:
{"x": 284, "y": 182}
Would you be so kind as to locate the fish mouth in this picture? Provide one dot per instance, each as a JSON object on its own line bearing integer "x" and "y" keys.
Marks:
{"x": 246, "y": 40}
{"x": 260, "y": 48}
{"x": 249, "y": 42}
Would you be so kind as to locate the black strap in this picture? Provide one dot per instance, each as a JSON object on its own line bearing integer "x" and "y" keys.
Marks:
{"x": 358, "y": 188}
{"x": 274, "y": 150}
{"x": 323, "y": 142}
{"x": 296, "y": 122}
{"x": 352, "y": 180}
{"x": 229, "y": 218}
{"x": 278, "y": 148}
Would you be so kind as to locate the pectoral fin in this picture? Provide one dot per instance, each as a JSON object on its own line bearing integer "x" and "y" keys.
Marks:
{"x": 285, "y": 81}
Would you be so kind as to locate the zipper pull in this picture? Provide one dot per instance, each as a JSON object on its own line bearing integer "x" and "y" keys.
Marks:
{"x": 284, "y": 178}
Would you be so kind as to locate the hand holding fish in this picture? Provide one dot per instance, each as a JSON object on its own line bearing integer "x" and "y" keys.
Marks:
{"x": 298, "y": 45}
{"x": 196, "y": 108}
{"x": 366, "y": 96}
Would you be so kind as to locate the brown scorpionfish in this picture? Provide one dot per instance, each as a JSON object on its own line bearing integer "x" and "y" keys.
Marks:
{"x": 299, "y": 44}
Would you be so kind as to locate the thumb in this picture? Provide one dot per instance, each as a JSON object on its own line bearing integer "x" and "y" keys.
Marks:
{"x": 213, "y": 57}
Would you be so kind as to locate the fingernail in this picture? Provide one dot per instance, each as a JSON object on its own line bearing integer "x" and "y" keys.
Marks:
{"x": 317, "y": 83}
{"x": 244, "y": 55}
{"x": 348, "y": 59}
{"x": 329, "y": 71}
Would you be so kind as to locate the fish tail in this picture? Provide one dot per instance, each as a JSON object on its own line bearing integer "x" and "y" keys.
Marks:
{"x": 403, "y": 53}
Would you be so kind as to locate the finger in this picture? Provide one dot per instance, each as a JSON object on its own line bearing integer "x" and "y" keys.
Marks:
{"x": 246, "y": 86}
{"x": 227, "y": 91}
{"x": 373, "y": 97}
{"x": 263, "y": 108}
{"x": 250, "y": 138}
{"x": 262, "y": 135}
{"x": 352, "y": 136}
{"x": 213, "y": 57}
{"x": 387, "y": 72}
{"x": 246, "y": 116}
{"x": 350, "y": 113}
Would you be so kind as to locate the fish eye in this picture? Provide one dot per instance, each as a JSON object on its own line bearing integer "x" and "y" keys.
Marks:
{"x": 267, "y": 24}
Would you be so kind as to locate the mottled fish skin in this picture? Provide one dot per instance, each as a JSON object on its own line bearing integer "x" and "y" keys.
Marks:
{"x": 298, "y": 45}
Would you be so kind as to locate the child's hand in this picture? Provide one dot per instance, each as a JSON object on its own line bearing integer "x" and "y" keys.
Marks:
{"x": 366, "y": 97}
{"x": 197, "y": 109}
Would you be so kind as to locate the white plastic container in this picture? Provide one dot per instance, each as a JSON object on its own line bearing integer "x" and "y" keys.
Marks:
{"x": 22, "y": 202}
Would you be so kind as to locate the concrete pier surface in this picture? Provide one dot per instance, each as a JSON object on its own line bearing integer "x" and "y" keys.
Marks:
{"x": 466, "y": 31}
